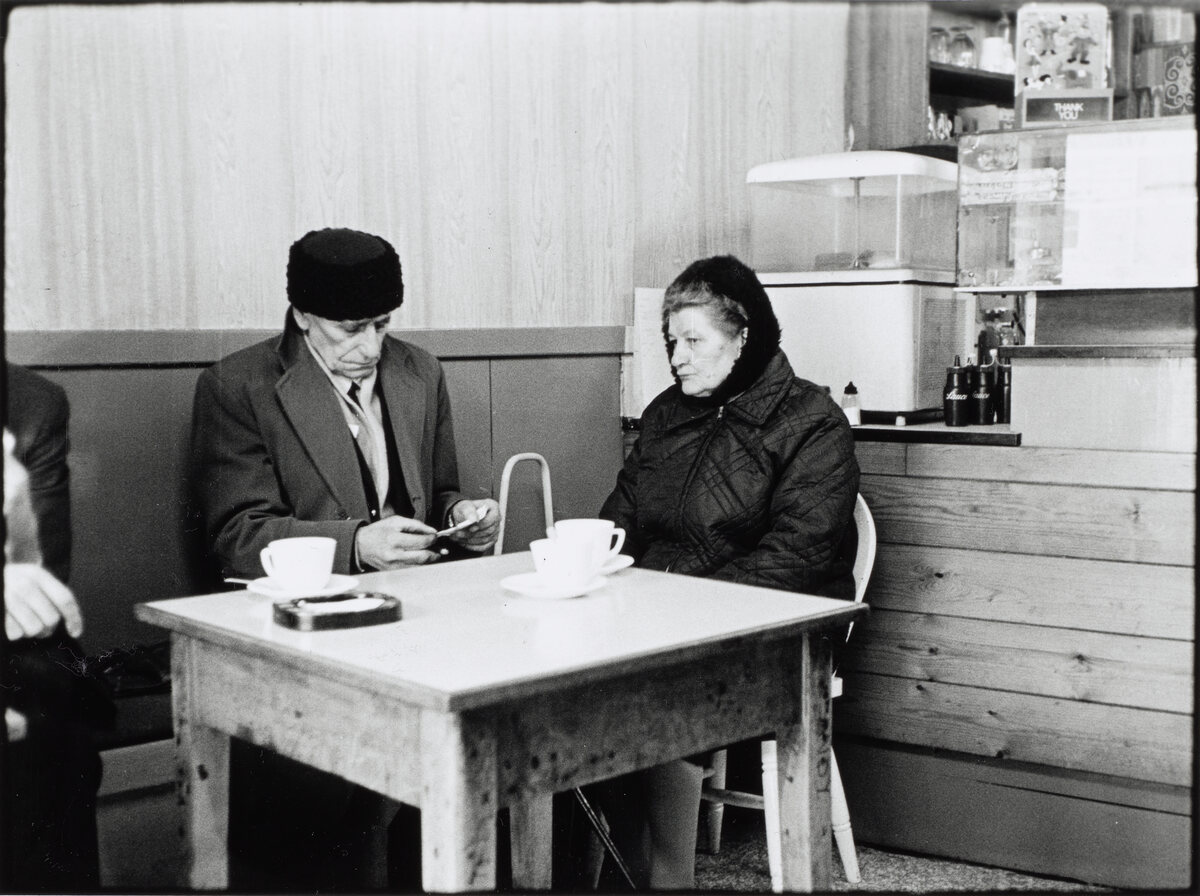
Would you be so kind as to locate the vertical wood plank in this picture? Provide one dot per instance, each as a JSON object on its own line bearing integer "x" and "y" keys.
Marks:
{"x": 804, "y": 796}
{"x": 532, "y": 837}
{"x": 578, "y": 433}
{"x": 458, "y": 805}
{"x": 202, "y": 782}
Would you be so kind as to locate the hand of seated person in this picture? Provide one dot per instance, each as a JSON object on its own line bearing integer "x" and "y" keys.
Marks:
{"x": 35, "y": 602}
{"x": 395, "y": 541}
{"x": 16, "y": 723}
{"x": 482, "y": 535}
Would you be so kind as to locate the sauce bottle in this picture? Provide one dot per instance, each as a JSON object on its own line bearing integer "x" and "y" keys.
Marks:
{"x": 850, "y": 406}
{"x": 955, "y": 395}
{"x": 980, "y": 409}
{"x": 1002, "y": 396}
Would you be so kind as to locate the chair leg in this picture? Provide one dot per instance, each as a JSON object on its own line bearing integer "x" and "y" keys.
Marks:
{"x": 714, "y": 813}
{"x": 842, "y": 834}
{"x": 770, "y": 784}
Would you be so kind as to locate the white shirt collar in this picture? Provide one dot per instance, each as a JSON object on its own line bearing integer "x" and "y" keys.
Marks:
{"x": 366, "y": 386}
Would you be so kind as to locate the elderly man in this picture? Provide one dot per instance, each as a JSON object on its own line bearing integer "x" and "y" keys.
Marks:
{"x": 333, "y": 428}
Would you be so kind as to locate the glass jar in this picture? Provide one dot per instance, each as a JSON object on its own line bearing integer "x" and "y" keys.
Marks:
{"x": 939, "y": 45}
{"x": 962, "y": 47}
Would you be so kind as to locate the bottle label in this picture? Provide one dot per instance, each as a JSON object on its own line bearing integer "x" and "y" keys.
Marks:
{"x": 955, "y": 395}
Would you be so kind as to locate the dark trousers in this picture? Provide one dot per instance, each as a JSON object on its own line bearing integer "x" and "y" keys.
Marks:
{"x": 50, "y": 783}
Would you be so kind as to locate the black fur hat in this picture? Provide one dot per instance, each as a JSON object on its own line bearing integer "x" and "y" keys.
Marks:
{"x": 342, "y": 274}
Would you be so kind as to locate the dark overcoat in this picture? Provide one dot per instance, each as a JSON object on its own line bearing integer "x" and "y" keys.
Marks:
{"x": 273, "y": 457}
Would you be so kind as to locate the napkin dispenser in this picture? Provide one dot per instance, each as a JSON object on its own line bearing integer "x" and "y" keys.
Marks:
{"x": 353, "y": 609}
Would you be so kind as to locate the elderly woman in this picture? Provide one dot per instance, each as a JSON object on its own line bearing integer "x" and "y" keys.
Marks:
{"x": 744, "y": 472}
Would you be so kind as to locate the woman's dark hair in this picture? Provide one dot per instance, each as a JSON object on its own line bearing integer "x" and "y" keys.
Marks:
{"x": 735, "y": 298}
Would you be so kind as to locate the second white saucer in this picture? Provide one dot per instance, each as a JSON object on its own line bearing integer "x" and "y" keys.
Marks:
{"x": 616, "y": 564}
{"x": 530, "y": 584}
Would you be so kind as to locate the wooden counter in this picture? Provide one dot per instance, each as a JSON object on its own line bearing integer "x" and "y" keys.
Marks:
{"x": 1022, "y": 694}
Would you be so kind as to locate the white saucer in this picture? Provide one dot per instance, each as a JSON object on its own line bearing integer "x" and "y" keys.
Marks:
{"x": 337, "y": 584}
{"x": 616, "y": 564}
{"x": 530, "y": 584}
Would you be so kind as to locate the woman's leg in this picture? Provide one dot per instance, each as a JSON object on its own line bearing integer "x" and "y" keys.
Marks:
{"x": 673, "y": 797}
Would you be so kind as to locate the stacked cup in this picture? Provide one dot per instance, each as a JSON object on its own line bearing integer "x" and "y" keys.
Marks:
{"x": 571, "y": 557}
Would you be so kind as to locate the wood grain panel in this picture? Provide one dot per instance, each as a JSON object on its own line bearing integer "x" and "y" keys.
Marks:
{"x": 1091, "y": 595}
{"x": 1094, "y": 667}
{"x": 1043, "y": 821}
{"x": 532, "y": 163}
{"x": 470, "y": 386}
{"x": 335, "y": 725}
{"x": 1129, "y": 743}
{"x": 887, "y": 86}
{"x": 579, "y": 436}
{"x": 885, "y": 458}
{"x": 1063, "y": 466}
{"x": 1140, "y": 526}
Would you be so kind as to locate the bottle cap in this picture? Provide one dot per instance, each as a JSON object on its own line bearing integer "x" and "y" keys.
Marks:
{"x": 850, "y": 390}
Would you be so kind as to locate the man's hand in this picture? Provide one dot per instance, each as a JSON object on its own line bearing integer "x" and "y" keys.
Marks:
{"x": 482, "y": 535}
{"x": 35, "y": 602}
{"x": 395, "y": 541}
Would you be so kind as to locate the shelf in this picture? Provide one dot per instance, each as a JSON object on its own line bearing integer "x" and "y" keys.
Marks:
{"x": 1182, "y": 350}
{"x": 999, "y": 434}
{"x": 973, "y": 83}
{"x": 1071, "y": 288}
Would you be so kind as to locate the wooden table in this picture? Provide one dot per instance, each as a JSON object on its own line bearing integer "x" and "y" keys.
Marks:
{"x": 480, "y": 699}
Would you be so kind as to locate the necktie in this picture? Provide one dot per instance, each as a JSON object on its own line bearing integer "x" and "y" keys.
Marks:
{"x": 367, "y": 440}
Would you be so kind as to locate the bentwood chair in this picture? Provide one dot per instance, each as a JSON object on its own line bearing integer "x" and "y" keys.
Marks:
{"x": 714, "y": 787}
{"x": 597, "y": 822}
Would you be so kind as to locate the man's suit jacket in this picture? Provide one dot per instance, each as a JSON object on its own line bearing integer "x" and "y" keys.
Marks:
{"x": 274, "y": 458}
{"x": 37, "y": 415}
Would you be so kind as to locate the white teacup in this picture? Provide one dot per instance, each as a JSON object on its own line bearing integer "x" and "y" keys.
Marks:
{"x": 604, "y": 538}
{"x": 299, "y": 564}
{"x": 565, "y": 566}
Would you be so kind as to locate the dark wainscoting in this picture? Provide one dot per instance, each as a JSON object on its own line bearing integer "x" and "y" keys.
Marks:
{"x": 553, "y": 390}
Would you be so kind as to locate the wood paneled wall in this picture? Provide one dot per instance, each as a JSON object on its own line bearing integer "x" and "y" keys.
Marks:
{"x": 532, "y": 163}
{"x": 1033, "y": 611}
{"x": 1022, "y": 616}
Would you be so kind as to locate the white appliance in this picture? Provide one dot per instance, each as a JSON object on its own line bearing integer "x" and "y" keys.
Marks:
{"x": 890, "y": 332}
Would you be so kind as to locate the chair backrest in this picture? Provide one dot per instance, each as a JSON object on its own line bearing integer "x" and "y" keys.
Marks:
{"x": 864, "y": 558}
{"x": 505, "y": 479}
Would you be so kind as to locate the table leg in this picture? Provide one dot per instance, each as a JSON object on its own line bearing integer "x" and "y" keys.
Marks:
{"x": 202, "y": 779}
{"x": 803, "y": 755}
{"x": 458, "y": 805}
{"x": 532, "y": 839}
{"x": 204, "y": 793}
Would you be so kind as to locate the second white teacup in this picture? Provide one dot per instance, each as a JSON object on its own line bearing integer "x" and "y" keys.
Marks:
{"x": 299, "y": 564}
{"x": 565, "y": 566}
{"x": 604, "y": 538}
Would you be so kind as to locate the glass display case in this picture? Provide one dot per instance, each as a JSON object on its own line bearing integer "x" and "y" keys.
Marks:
{"x": 1104, "y": 206}
{"x": 853, "y": 211}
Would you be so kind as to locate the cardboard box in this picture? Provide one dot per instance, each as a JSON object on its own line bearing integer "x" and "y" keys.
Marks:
{"x": 972, "y": 119}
